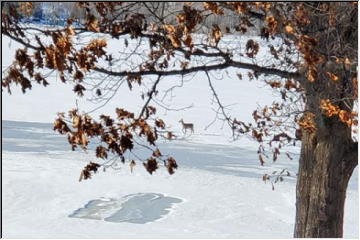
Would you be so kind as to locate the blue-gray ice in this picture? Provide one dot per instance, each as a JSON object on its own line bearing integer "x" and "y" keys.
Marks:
{"x": 137, "y": 208}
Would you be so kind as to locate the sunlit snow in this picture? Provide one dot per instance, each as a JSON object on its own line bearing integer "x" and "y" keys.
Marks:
{"x": 217, "y": 192}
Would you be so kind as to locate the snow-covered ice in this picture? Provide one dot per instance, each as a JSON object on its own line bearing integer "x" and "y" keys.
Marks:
{"x": 216, "y": 193}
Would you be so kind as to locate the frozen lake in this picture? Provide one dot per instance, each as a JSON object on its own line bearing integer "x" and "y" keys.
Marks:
{"x": 217, "y": 192}
{"x": 40, "y": 138}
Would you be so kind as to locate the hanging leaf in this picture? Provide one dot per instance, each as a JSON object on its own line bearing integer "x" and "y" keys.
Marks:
{"x": 151, "y": 165}
{"x": 132, "y": 165}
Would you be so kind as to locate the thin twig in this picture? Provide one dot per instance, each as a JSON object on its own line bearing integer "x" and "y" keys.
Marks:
{"x": 150, "y": 94}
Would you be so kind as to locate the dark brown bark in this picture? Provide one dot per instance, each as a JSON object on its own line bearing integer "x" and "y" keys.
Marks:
{"x": 328, "y": 158}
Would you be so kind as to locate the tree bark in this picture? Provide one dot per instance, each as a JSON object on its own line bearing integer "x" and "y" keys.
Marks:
{"x": 328, "y": 158}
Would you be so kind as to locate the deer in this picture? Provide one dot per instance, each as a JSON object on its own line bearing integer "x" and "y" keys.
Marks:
{"x": 187, "y": 126}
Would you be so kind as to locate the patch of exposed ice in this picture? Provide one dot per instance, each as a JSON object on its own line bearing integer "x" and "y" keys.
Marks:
{"x": 137, "y": 208}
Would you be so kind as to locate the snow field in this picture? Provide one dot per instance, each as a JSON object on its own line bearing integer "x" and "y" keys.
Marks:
{"x": 42, "y": 190}
{"x": 219, "y": 181}
{"x": 41, "y": 194}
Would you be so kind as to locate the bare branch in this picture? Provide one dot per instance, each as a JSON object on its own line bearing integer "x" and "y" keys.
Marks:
{"x": 21, "y": 41}
{"x": 258, "y": 69}
{"x": 227, "y": 118}
{"x": 150, "y": 94}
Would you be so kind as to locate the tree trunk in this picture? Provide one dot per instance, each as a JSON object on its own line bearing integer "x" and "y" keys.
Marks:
{"x": 328, "y": 158}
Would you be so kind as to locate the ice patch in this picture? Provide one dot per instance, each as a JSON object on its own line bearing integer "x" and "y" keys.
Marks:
{"x": 137, "y": 208}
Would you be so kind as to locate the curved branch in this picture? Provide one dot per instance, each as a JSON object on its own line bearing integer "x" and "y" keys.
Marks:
{"x": 248, "y": 66}
{"x": 228, "y": 63}
{"x": 19, "y": 40}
